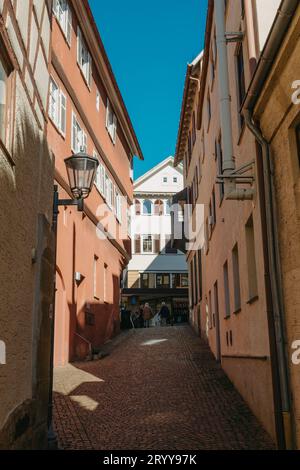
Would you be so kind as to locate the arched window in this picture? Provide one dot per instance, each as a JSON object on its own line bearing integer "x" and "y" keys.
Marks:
{"x": 147, "y": 207}
{"x": 168, "y": 206}
{"x": 158, "y": 207}
{"x": 137, "y": 205}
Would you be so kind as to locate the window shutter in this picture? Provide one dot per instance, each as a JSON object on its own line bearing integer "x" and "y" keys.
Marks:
{"x": 84, "y": 141}
{"x": 54, "y": 6}
{"x": 89, "y": 68}
{"x": 69, "y": 24}
{"x": 74, "y": 133}
{"x": 157, "y": 244}
{"x": 137, "y": 247}
{"x": 63, "y": 113}
{"x": 79, "y": 48}
{"x": 115, "y": 129}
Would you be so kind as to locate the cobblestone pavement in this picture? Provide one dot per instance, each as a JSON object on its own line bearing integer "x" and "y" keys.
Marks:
{"x": 159, "y": 389}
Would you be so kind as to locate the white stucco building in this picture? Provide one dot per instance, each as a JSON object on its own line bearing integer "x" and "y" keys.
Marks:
{"x": 156, "y": 272}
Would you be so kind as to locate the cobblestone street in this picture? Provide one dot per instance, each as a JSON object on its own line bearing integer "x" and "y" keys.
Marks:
{"x": 159, "y": 389}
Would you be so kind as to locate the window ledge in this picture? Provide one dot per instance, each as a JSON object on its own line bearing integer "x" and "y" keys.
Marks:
{"x": 237, "y": 311}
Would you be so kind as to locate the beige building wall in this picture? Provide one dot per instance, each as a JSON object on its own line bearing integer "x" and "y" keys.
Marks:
{"x": 26, "y": 256}
{"x": 237, "y": 332}
{"x": 279, "y": 116}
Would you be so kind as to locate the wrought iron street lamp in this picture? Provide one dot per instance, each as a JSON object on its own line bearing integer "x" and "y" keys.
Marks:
{"x": 81, "y": 170}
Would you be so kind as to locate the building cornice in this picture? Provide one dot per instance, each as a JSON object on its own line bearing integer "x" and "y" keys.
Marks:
{"x": 191, "y": 86}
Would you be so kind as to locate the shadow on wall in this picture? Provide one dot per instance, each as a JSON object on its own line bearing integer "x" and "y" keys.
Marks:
{"x": 93, "y": 324}
{"x": 26, "y": 273}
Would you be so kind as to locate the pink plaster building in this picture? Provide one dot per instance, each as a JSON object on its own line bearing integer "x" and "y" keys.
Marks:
{"x": 87, "y": 112}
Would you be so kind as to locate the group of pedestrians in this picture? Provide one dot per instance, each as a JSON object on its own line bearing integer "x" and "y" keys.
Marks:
{"x": 142, "y": 317}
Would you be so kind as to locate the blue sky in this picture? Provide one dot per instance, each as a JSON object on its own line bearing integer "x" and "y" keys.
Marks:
{"x": 149, "y": 45}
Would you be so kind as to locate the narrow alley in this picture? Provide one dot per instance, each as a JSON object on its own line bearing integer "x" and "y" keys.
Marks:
{"x": 159, "y": 388}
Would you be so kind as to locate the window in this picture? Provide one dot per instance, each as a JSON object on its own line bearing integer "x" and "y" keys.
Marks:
{"x": 131, "y": 169}
{"x": 147, "y": 281}
{"x": 147, "y": 207}
{"x": 105, "y": 279}
{"x": 251, "y": 260}
{"x": 226, "y": 290}
{"x": 83, "y": 57}
{"x": 163, "y": 281}
{"x": 109, "y": 191}
{"x": 236, "y": 279}
{"x": 118, "y": 204}
{"x": 158, "y": 207}
{"x": 191, "y": 289}
{"x": 95, "y": 277}
{"x": 97, "y": 100}
{"x": 147, "y": 244}
{"x": 3, "y": 100}
{"x": 79, "y": 138}
{"x": 210, "y": 310}
{"x": 200, "y": 275}
{"x": 57, "y": 107}
{"x": 100, "y": 177}
{"x": 208, "y": 110}
{"x": 168, "y": 206}
{"x": 298, "y": 142}
{"x": 175, "y": 179}
{"x": 111, "y": 122}
{"x": 165, "y": 179}
{"x": 63, "y": 14}
{"x": 240, "y": 81}
{"x": 137, "y": 206}
{"x": 180, "y": 281}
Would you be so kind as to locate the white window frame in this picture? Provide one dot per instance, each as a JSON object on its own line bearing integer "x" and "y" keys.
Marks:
{"x": 58, "y": 108}
{"x": 111, "y": 122}
{"x": 118, "y": 204}
{"x": 84, "y": 58}
{"x": 81, "y": 137}
{"x": 97, "y": 100}
{"x": 63, "y": 14}
{"x": 108, "y": 191}
{"x": 142, "y": 244}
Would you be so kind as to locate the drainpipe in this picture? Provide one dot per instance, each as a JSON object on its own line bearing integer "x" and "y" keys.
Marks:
{"x": 230, "y": 188}
{"x": 277, "y": 331}
{"x": 250, "y": 34}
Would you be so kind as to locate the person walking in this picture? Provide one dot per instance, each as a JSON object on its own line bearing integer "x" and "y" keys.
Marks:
{"x": 147, "y": 315}
{"x": 164, "y": 314}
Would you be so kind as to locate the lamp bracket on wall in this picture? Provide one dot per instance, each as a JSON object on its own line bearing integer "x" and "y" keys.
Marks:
{"x": 239, "y": 175}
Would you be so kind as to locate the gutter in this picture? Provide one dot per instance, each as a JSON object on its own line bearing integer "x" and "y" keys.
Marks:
{"x": 277, "y": 327}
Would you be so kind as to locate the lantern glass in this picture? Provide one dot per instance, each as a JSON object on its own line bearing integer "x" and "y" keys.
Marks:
{"x": 81, "y": 169}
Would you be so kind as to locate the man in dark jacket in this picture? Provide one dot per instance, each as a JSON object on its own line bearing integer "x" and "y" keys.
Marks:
{"x": 164, "y": 314}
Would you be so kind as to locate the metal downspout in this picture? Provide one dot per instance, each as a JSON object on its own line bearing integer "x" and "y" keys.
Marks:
{"x": 231, "y": 191}
{"x": 275, "y": 285}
